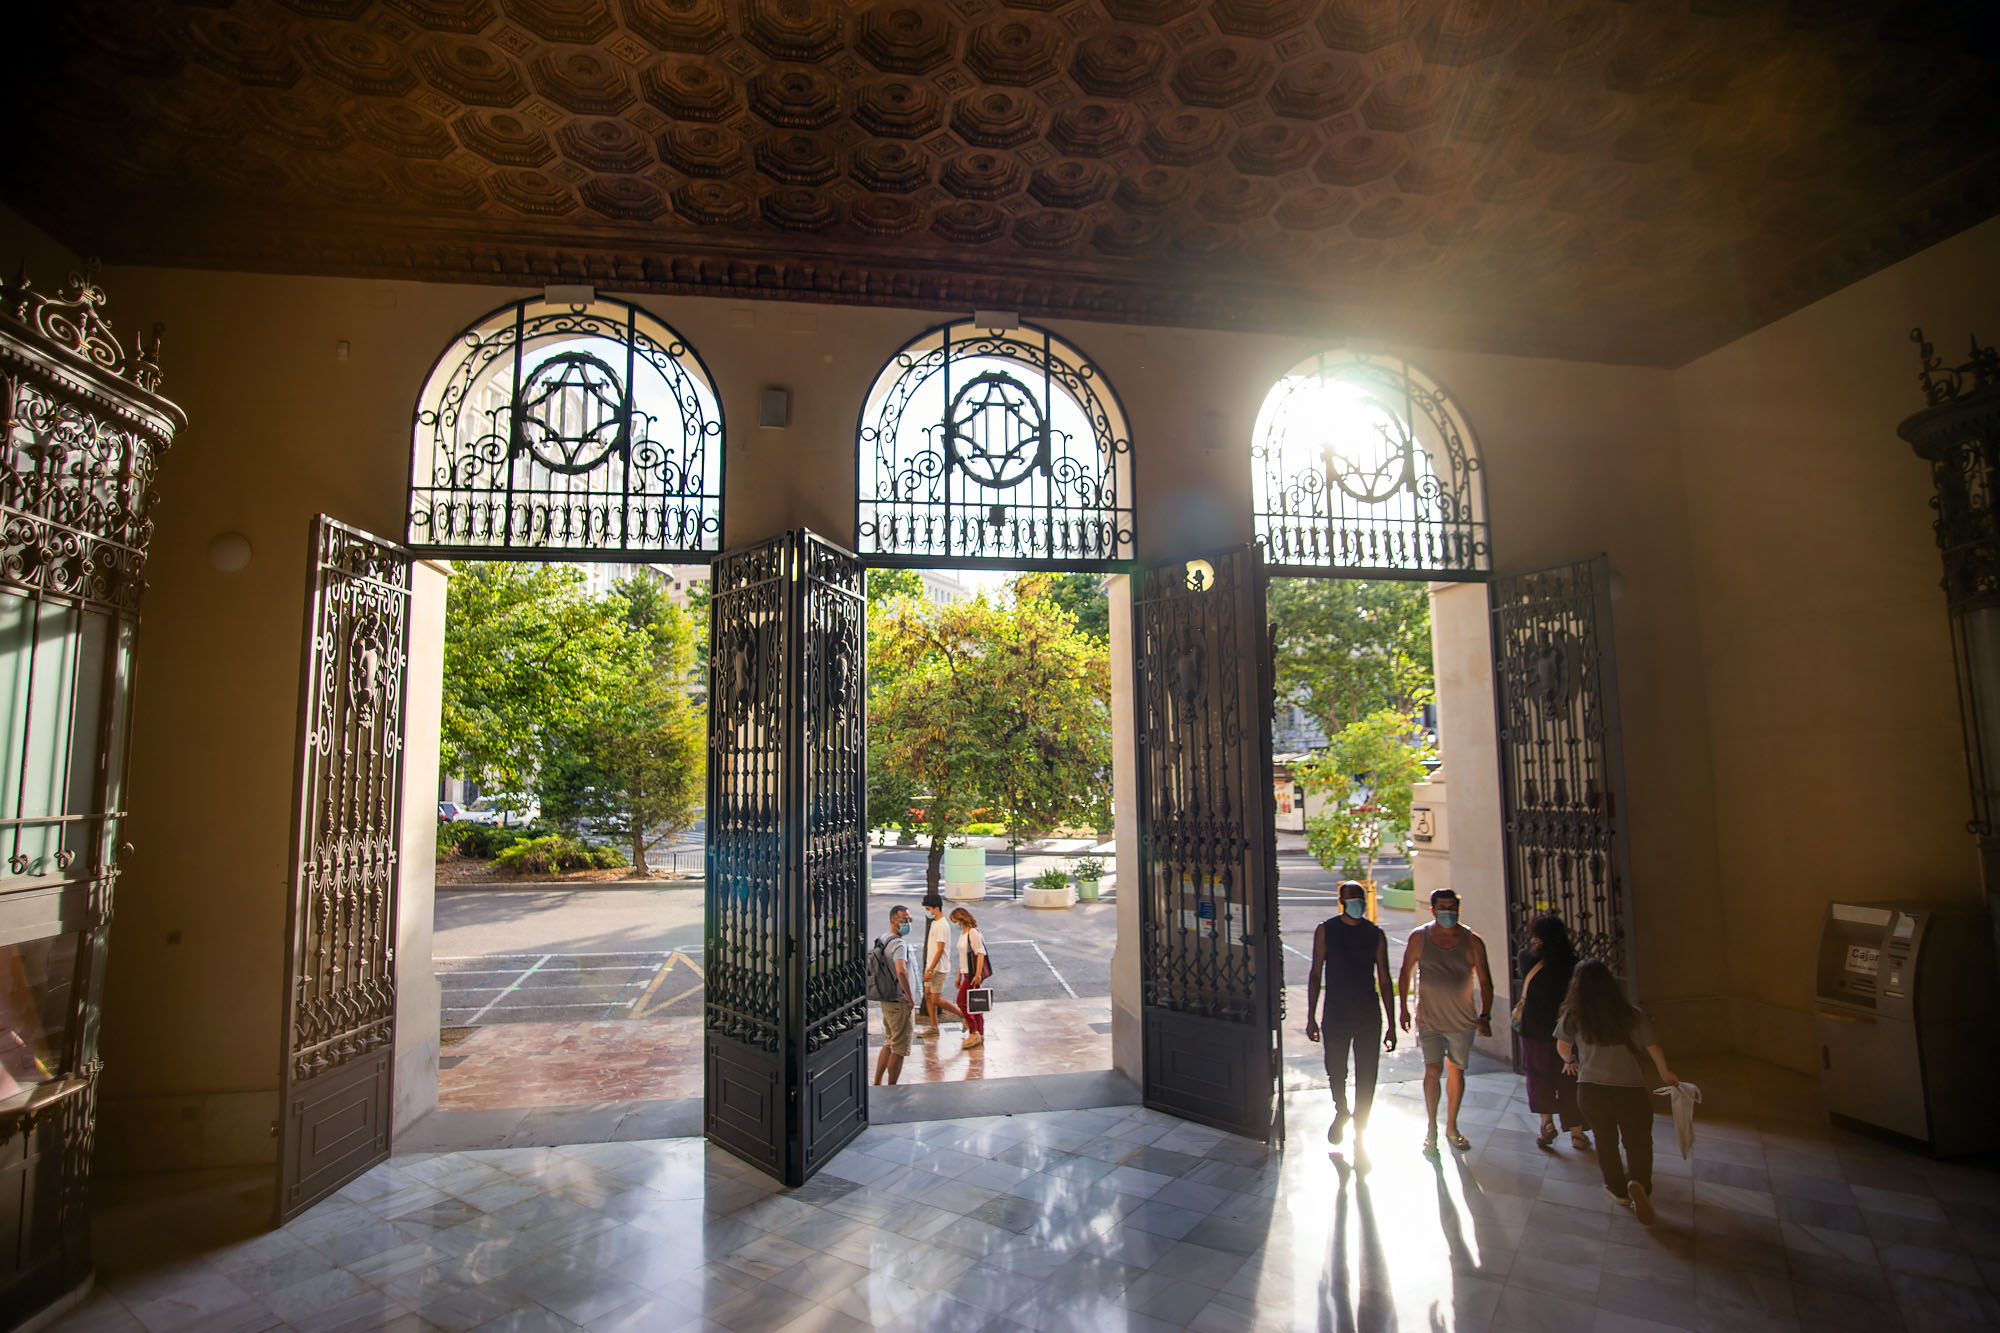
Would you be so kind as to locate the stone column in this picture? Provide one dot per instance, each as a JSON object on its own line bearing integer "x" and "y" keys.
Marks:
{"x": 417, "y": 991}
{"x": 1126, "y": 1046}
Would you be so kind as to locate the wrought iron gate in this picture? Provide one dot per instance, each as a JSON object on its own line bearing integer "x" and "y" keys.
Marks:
{"x": 786, "y": 1048}
{"x": 85, "y": 432}
{"x": 1211, "y": 975}
{"x": 338, "y": 1046}
{"x": 1562, "y": 778}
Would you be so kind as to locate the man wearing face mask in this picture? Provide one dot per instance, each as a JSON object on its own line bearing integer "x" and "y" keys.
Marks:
{"x": 889, "y": 974}
{"x": 1447, "y": 960}
{"x": 1351, "y": 957}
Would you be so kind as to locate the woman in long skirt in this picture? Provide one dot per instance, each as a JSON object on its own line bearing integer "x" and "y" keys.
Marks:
{"x": 1547, "y": 962}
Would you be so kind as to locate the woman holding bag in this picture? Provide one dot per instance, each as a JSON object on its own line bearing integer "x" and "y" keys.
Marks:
{"x": 1546, "y": 965}
{"x": 973, "y": 972}
{"x": 1609, "y": 1044}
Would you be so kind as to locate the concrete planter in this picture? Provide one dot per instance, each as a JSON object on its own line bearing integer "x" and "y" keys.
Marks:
{"x": 1062, "y": 897}
{"x": 965, "y": 873}
{"x": 1403, "y": 900}
{"x": 1086, "y": 890}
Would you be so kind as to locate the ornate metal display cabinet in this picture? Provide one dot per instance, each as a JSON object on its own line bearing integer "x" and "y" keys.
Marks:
{"x": 84, "y": 432}
{"x": 786, "y": 1026}
{"x": 338, "y": 1041}
{"x": 1211, "y": 975}
{"x": 1562, "y": 775}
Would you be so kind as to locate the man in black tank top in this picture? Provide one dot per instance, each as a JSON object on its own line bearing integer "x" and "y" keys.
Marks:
{"x": 1351, "y": 961}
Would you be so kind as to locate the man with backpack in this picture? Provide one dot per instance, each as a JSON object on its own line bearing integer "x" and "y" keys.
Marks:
{"x": 889, "y": 973}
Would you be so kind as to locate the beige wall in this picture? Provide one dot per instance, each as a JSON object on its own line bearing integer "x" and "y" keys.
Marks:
{"x": 1838, "y": 767}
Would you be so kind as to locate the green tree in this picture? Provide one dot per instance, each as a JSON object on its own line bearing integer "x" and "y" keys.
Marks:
{"x": 1083, "y": 596}
{"x": 1364, "y": 773}
{"x": 886, "y": 585}
{"x": 526, "y": 654}
{"x": 990, "y": 705}
{"x": 1348, "y": 647}
{"x": 634, "y": 762}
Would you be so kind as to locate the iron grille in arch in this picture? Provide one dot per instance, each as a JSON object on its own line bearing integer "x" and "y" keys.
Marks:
{"x": 1362, "y": 465}
{"x": 587, "y": 429}
{"x": 1001, "y": 445}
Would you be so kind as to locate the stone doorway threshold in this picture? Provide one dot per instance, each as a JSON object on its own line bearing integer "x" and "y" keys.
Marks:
{"x": 678, "y": 1118}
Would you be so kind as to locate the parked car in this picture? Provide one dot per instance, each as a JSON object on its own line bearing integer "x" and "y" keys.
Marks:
{"x": 448, "y": 811}
{"x": 506, "y": 809}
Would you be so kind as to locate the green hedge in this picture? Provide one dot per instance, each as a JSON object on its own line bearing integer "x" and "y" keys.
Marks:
{"x": 554, "y": 854}
{"x": 985, "y": 830}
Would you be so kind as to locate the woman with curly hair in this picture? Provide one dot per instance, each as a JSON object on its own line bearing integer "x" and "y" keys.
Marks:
{"x": 1546, "y": 965}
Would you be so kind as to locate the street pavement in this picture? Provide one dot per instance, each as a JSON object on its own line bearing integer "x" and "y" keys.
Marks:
{"x": 586, "y": 953}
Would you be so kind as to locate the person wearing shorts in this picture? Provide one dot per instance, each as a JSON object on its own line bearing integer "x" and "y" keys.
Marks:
{"x": 896, "y": 1021}
{"x": 1454, "y": 1004}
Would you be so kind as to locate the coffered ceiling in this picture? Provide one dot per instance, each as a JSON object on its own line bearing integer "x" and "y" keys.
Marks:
{"x": 1613, "y": 179}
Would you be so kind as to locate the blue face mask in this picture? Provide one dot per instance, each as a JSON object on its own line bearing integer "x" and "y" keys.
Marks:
{"x": 1446, "y": 917}
{"x": 902, "y": 927}
{"x": 1354, "y": 907}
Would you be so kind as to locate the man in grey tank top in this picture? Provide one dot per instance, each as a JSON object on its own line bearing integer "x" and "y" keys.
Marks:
{"x": 1448, "y": 960}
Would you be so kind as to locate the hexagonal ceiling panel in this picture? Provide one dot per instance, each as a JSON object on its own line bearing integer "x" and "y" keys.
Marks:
{"x": 1634, "y": 180}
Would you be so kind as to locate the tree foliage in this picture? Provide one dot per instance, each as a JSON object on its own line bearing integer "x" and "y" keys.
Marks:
{"x": 989, "y": 705}
{"x": 525, "y": 655}
{"x": 1350, "y": 647}
{"x": 1082, "y": 595}
{"x": 585, "y": 700}
{"x": 1364, "y": 773}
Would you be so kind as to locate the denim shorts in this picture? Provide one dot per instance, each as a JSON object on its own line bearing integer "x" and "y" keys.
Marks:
{"x": 1441, "y": 1046}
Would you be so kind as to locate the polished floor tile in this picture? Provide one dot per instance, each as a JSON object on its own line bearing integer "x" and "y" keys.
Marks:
{"x": 1113, "y": 1218}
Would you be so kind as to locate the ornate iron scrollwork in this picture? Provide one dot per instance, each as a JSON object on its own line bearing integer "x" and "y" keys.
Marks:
{"x": 1561, "y": 775}
{"x": 1362, "y": 465}
{"x": 343, "y": 979}
{"x": 987, "y": 445}
{"x": 568, "y": 429}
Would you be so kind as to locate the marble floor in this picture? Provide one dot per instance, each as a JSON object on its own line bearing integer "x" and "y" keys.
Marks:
{"x": 573, "y": 1064}
{"x": 1113, "y": 1218}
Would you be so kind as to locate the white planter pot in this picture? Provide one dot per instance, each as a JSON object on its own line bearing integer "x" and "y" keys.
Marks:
{"x": 1062, "y": 897}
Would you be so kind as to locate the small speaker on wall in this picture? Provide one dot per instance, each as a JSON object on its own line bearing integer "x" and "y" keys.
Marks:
{"x": 774, "y": 408}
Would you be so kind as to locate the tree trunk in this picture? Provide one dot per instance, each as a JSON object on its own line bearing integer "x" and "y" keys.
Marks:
{"x": 639, "y": 867}
{"x": 934, "y": 868}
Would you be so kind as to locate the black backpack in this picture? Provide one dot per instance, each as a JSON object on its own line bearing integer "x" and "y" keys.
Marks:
{"x": 882, "y": 983}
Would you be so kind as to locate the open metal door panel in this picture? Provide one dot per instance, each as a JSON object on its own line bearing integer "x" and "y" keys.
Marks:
{"x": 339, "y": 1036}
{"x": 786, "y": 1034}
{"x": 1562, "y": 774}
{"x": 1211, "y": 974}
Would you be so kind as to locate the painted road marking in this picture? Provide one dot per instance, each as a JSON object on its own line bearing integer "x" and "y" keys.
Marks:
{"x": 516, "y": 986}
{"x": 640, "y": 1008}
{"x": 1052, "y": 968}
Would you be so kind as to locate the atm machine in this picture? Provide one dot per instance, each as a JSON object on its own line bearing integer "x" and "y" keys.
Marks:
{"x": 1904, "y": 1010}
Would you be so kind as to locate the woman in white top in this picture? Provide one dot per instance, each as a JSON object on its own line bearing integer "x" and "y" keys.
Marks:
{"x": 973, "y": 970}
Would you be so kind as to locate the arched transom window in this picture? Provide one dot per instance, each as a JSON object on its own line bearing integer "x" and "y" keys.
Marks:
{"x": 1000, "y": 446}
{"x": 580, "y": 429}
{"x": 1364, "y": 466}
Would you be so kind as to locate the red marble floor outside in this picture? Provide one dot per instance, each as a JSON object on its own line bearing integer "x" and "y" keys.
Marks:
{"x": 508, "y": 1065}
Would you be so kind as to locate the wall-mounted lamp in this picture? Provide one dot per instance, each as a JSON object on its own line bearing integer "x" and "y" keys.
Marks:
{"x": 229, "y": 552}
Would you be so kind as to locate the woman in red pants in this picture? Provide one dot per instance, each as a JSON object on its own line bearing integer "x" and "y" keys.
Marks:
{"x": 973, "y": 971}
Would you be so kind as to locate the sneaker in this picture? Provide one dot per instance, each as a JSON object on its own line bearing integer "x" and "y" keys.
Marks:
{"x": 1621, "y": 1200}
{"x": 1337, "y": 1131}
{"x": 1642, "y": 1205}
{"x": 974, "y": 1040}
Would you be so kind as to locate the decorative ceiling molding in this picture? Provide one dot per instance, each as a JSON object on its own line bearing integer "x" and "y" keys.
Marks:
{"x": 1605, "y": 179}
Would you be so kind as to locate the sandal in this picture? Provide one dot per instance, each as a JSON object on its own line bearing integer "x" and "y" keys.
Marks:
{"x": 1459, "y": 1141}
{"x": 1546, "y": 1137}
{"x": 1431, "y": 1144}
{"x": 1579, "y": 1140}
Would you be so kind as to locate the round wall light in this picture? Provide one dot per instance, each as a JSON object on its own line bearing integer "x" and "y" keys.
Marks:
{"x": 229, "y": 552}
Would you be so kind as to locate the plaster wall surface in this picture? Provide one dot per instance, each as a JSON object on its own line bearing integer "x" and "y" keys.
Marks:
{"x": 1839, "y": 771}
{"x": 1578, "y": 458}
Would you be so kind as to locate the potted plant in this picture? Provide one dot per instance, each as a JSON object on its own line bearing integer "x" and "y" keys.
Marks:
{"x": 1049, "y": 889}
{"x": 1089, "y": 872}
